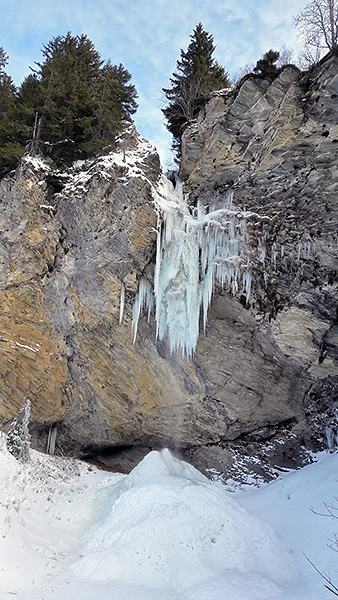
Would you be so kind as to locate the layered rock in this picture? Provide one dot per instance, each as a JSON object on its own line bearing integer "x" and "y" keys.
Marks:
{"x": 265, "y": 368}
{"x": 275, "y": 144}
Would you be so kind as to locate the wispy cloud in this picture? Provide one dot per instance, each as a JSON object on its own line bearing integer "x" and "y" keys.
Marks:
{"x": 146, "y": 36}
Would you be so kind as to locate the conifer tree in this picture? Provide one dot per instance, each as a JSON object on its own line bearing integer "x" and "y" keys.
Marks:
{"x": 68, "y": 78}
{"x": 30, "y": 102}
{"x": 10, "y": 149}
{"x": 116, "y": 100}
{"x": 266, "y": 66}
{"x": 18, "y": 437}
{"x": 73, "y": 105}
{"x": 197, "y": 74}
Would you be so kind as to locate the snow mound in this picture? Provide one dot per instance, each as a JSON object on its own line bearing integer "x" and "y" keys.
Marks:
{"x": 167, "y": 525}
{"x": 37, "y": 525}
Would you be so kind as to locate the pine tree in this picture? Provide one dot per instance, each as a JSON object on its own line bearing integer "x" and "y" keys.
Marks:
{"x": 10, "y": 149}
{"x": 266, "y": 66}
{"x": 197, "y": 74}
{"x": 30, "y": 104}
{"x": 116, "y": 101}
{"x": 68, "y": 79}
{"x": 73, "y": 105}
{"x": 18, "y": 437}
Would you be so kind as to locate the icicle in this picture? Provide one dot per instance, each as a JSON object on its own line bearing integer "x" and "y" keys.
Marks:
{"x": 247, "y": 279}
{"x": 261, "y": 250}
{"x": 274, "y": 254}
{"x": 143, "y": 297}
{"x": 308, "y": 249}
{"x": 51, "y": 439}
{"x": 195, "y": 248}
{"x": 122, "y": 303}
{"x": 299, "y": 250}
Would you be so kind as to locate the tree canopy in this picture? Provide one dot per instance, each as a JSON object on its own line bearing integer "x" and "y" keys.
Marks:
{"x": 71, "y": 106}
{"x": 197, "y": 74}
{"x": 266, "y": 66}
{"x": 10, "y": 149}
{"x": 317, "y": 24}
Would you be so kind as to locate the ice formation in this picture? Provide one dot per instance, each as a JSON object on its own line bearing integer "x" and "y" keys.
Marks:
{"x": 143, "y": 297}
{"x": 196, "y": 247}
{"x": 51, "y": 440}
{"x": 171, "y": 527}
{"x": 122, "y": 303}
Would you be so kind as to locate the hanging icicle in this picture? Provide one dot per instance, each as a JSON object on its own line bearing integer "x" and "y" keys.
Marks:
{"x": 122, "y": 303}
{"x": 196, "y": 248}
{"x": 51, "y": 439}
{"x": 144, "y": 297}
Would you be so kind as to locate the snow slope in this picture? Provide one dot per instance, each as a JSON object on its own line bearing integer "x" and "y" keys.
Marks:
{"x": 163, "y": 532}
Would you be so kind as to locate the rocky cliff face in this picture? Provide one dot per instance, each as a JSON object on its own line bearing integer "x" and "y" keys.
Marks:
{"x": 266, "y": 369}
{"x": 276, "y": 146}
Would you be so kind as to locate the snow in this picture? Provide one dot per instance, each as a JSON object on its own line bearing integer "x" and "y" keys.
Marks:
{"x": 130, "y": 162}
{"x": 164, "y": 532}
{"x": 36, "y": 163}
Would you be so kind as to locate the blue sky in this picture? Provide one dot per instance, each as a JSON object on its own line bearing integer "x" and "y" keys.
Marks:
{"x": 146, "y": 37}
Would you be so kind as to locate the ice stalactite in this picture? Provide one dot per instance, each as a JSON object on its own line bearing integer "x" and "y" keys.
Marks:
{"x": 122, "y": 303}
{"x": 196, "y": 247}
{"x": 51, "y": 440}
{"x": 144, "y": 297}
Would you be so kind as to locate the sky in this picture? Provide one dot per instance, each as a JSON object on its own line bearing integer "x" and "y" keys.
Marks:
{"x": 146, "y": 36}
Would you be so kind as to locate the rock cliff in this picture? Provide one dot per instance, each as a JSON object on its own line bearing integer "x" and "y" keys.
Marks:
{"x": 265, "y": 374}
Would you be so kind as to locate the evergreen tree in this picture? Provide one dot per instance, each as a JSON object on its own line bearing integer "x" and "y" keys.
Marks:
{"x": 18, "y": 437}
{"x": 68, "y": 79}
{"x": 10, "y": 149}
{"x": 30, "y": 104}
{"x": 197, "y": 74}
{"x": 116, "y": 101}
{"x": 72, "y": 104}
{"x": 266, "y": 66}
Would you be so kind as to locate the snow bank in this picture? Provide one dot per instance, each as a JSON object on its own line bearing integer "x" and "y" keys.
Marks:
{"x": 169, "y": 526}
{"x": 38, "y": 530}
{"x": 163, "y": 532}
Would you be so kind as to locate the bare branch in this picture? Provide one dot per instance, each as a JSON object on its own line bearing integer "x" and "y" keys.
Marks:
{"x": 329, "y": 585}
{"x": 317, "y": 25}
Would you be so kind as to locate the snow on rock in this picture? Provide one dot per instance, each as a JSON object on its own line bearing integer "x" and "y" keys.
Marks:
{"x": 168, "y": 526}
{"x": 36, "y": 163}
{"x": 129, "y": 162}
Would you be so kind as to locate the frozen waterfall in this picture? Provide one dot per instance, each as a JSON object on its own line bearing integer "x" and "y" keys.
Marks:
{"x": 196, "y": 247}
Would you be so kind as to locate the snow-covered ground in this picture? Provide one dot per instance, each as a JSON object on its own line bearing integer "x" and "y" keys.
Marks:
{"x": 164, "y": 532}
